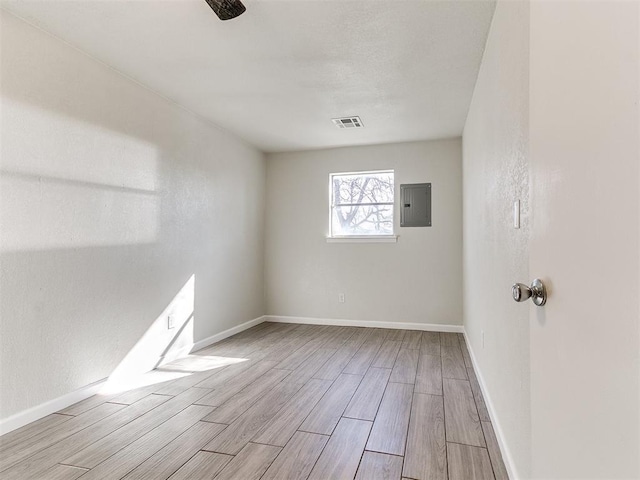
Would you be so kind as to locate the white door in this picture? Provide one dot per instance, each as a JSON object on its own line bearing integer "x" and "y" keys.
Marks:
{"x": 585, "y": 177}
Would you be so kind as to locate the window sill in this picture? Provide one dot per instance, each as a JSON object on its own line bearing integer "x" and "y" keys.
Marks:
{"x": 364, "y": 239}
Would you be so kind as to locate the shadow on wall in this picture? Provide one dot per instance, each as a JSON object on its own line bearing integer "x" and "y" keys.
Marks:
{"x": 83, "y": 250}
{"x": 112, "y": 202}
{"x": 82, "y": 255}
{"x": 78, "y": 206}
{"x": 77, "y": 219}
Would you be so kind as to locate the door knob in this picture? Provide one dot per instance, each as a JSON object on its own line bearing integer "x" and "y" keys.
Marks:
{"x": 537, "y": 292}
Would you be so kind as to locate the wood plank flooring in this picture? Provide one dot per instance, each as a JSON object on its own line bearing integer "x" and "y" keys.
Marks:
{"x": 279, "y": 402}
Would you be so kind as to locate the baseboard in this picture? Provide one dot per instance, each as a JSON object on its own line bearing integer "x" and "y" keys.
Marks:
{"x": 25, "y": 417}
{"x": 428, "y": 327}
{"x": 227, "y": 333}
{"x": 504, "y": 449}
{"x": 32, "y": 414}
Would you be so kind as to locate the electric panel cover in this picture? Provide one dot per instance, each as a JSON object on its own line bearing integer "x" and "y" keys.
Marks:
{"x": 415, "y": 209}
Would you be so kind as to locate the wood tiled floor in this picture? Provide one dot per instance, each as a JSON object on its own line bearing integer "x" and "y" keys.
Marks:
{"x": 279, "y": 401}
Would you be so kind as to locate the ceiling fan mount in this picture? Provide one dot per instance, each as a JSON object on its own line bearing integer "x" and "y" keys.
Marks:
{"x": 227, "y": 9}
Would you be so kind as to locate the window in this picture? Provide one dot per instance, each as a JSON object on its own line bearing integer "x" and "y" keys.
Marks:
{"x": 362, "y": 204}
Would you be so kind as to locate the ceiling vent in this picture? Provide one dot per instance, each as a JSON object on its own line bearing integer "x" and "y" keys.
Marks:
{"x": 347, "y": 122}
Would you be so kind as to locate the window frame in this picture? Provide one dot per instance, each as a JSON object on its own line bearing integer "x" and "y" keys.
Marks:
{"x": 373, "y": 238}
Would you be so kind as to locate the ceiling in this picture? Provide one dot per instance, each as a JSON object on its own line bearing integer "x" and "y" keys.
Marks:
{"x": 279, "y": 73}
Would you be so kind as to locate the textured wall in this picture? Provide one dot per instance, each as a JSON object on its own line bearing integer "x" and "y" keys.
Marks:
{"x": 495, "y": 171}
{"x": 416, "y": 279}
{"x": 117, "y": 208}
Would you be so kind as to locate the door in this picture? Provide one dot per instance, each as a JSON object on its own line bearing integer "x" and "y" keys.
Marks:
{"x": 585, "y": 177}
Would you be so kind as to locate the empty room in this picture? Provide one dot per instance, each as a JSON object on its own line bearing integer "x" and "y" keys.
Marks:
{"x": 320, "y": 239}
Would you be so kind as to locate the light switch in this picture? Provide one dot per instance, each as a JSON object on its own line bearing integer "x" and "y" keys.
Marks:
{"x": 516, "y": 214}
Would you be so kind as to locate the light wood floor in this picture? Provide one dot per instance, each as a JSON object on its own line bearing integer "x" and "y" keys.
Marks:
{"x": 279, "y": 401}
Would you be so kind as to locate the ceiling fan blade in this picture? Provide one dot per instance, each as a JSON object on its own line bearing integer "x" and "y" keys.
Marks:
{"x": 227, "y": 9}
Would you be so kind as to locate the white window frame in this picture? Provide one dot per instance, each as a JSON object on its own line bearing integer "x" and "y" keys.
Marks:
{"x": 385, "y": 238}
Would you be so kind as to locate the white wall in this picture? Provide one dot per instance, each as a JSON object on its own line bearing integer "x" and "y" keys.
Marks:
{"x": 417, "y": 279}
{"x": 113, "y": 201}
{"x": 495, "y": 170}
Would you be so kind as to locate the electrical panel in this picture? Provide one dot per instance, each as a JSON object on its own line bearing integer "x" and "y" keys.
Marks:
{"x": 415, "y": 209}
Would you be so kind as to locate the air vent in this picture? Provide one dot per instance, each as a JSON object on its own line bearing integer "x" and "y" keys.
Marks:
{"x": 347, "y": 122}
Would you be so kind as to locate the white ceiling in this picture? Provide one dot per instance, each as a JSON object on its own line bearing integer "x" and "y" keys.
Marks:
{"x": 276, "y": 75}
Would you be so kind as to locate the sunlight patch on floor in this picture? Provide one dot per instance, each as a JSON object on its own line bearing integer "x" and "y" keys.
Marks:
{"x": 180, "y": 368}
{"x": 197, "y": 363}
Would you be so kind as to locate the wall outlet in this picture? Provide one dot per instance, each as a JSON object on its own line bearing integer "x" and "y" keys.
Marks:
{"x": 171, "y": 322}
{"x": 341, "y": 297}
{"x": 482, "y": 337}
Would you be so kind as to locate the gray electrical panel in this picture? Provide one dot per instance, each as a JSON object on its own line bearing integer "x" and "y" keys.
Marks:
{"x": 415, "y": 206}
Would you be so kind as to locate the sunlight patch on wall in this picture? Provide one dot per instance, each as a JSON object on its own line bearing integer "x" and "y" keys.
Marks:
{"x": 162, "y": 354}
{"x": 43, "y": 143}
{"x": 39, "y": 213}
{"x": 65, "y": 183}
{"x": 160, "y": 344}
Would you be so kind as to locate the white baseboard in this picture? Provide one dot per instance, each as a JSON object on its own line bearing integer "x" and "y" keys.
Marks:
{"x": 429, "y": 327}
{"x": 32, "y": 414}
{"x": 227, "y": 333}
{"x": 25, "y": 417}
{"x": 504, "y": 449}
